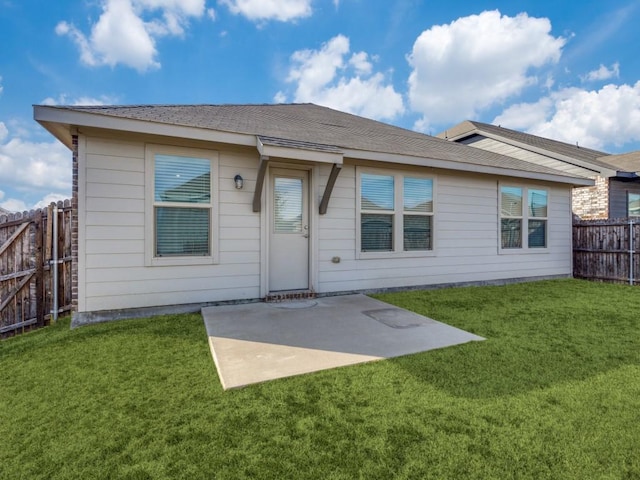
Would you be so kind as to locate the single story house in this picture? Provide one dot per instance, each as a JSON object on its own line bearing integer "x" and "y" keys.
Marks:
{"x": 180, "y": 205}
{"x": 617, "y": 184}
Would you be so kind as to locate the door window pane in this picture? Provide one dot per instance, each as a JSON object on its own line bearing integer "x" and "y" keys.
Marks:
{"x": 287, "y": 205}
{"x": 376, "y": 233}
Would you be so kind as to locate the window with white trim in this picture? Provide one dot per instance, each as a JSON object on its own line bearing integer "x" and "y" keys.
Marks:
{"x": 523, "y": 210}
{"x": 396, "y": 212}
{"x": 180, "y": 216}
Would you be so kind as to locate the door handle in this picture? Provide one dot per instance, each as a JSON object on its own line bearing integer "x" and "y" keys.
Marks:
{"x": 306, "y": 235}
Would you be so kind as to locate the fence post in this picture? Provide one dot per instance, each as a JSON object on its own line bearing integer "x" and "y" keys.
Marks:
{"x": 631, "y": 252}
{"x": 55, "y": 264}
{"x": 39, "y": 265}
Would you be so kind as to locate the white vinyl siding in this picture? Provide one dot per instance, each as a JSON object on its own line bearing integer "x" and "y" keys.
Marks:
{"x": 113, "y": 272}
{"x": 112, "y": 231}
{"x": 466, "y": 237}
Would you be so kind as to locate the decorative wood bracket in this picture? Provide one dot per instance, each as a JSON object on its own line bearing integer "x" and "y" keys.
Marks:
{"x": 257, "y": 194}
{"x": 324, "y": 203}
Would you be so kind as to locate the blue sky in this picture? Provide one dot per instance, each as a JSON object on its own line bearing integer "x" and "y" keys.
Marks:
{"x": 561, "y": 69}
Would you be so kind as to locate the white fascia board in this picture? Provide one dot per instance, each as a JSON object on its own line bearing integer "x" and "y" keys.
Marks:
{"x": 48, "y": 116}
{"x": 465, "y": 167}
{"x": 279, "y": 151}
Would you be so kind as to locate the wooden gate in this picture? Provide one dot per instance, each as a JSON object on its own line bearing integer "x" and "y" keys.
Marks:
{"x": 35, "y": 252}
{"x": 607, "y": 250}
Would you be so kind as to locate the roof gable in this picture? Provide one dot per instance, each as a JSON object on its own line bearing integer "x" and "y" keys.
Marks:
{"x": 594, "y": 159}
{"x": 627, "y": 162}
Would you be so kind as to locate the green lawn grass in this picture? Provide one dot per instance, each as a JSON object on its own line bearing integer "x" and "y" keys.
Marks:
{"x": 554, "y": 392}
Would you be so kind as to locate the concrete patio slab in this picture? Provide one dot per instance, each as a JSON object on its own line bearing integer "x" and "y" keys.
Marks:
{"x": 256, "y": 342}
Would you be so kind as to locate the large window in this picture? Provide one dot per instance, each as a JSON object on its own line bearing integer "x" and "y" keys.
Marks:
{"x": 523, "y": 217}
{"x": 182, "y": 204}
{"x": 633, "y": 204}
{"x": 396, "y": 212}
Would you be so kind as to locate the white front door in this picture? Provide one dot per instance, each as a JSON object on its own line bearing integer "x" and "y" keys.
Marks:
{"x": 289, "y": 230}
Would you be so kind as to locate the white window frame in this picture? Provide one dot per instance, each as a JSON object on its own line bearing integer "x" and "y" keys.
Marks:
{"x": 398, "y": 214}
{"x": 151, "y": 151}
{"x": 524, "y": 218}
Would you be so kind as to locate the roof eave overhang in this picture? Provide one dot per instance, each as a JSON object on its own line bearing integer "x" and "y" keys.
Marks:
{"x": 603, "y": 171}
{"x": 61, "y": 123}
{"x": 466, "y": 167}
{"x": 297, "y": 153}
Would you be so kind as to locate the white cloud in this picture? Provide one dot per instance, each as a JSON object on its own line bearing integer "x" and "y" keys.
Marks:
{"x": 211, "y": 13}
{"x": 126, "y": 31}
{"x": 14, "y": 205}
{"x": 609, "y": 117}
{"x": 1, "y": 87}
{"x": 64, "y": 99}
{"x": 3, "y": 131}
{"x": 360, "y": 61}
{"x": 477, "y": 62}
{"x": 602, "y": 73}
{"x": 34, "y": 167}
{"x": 324, "y": 77}
{"x": 264, "y": 10}
{"x": 50, "y": 198}
{"x": 19, "y": 205}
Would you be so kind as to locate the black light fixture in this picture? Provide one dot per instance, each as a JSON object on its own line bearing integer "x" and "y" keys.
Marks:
{"x": 239, "y": 181}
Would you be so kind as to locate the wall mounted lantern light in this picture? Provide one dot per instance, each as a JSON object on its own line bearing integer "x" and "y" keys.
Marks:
{"x": 239, "y": 181}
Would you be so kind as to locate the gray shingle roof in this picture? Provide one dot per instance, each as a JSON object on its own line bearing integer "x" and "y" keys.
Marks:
{"x": 470, "y": 127}
{"x": 315, "y": 125}
{"x": 626, "y": 162}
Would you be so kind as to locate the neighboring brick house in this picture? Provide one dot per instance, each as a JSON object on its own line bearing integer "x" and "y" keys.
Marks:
{"x": 616, "y": 192}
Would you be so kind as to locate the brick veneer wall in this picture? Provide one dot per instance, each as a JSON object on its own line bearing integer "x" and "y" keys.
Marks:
{"x": 592, "y": 203}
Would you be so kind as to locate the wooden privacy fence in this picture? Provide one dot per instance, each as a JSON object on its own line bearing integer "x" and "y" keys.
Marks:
{"x": 35, "y": 267}
{"x": 607, "y": 250}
